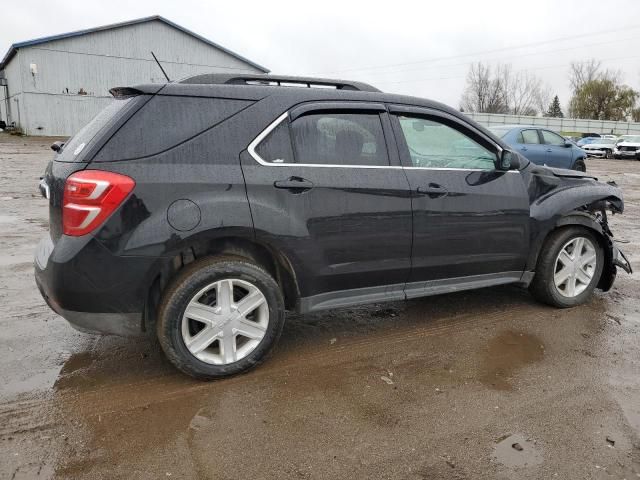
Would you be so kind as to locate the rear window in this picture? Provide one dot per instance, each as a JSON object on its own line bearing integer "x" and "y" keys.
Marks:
{"x": 74, "y": 148}
{"x": 165, "y": 122}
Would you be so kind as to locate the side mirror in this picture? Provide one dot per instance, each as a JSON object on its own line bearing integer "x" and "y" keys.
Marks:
{"x": 57, "y": 146}
{"x": 509, "y": 161}
{"x": 568, "y": 144}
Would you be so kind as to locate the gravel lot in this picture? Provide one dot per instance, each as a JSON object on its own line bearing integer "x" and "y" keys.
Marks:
{"x": 484, "y": 384}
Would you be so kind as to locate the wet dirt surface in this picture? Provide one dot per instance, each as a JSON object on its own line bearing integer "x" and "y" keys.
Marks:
{"x": 433, "y": 388}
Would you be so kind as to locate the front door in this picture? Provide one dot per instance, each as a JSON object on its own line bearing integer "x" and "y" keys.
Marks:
{"x": 558, "y": 154}
{"x": 324, "y": 190}
{"x": 530, "y": 144}
{"x": 470, "y": 220}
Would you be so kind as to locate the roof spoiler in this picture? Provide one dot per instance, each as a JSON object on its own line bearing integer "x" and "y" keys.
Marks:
{"x": 125, "y": 92}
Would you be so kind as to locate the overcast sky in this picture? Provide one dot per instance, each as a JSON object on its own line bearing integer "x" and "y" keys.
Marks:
{"x": 420, "y": 48}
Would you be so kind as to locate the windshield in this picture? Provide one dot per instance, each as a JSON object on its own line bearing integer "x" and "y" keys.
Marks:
{"x": 586, "y": 141}
{"x": 499, "y": 132}
{"x": 634, "y": 139}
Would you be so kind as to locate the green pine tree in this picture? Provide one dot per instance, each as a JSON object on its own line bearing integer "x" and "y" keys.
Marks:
{"x": 554, "y": 109}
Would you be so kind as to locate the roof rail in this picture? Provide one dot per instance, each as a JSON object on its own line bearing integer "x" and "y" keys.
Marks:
{"x": 277, "y": 80}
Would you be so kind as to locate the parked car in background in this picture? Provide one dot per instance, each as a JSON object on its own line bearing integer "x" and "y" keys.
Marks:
{"x": 600, "y": 147}
{"x": 612, "y": 137}
{"x": 629, "y": 148}
{"x": 624, "y": 138}
{"x": 586, "y": 140}
{"x": 542, "y": 146}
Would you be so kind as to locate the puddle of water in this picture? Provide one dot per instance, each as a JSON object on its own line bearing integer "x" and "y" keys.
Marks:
{"x": 506, "y": 354}
{"x": 517, "y": 451}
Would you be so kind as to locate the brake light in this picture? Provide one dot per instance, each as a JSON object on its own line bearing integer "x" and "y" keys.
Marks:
{"x": 90, "y": 196}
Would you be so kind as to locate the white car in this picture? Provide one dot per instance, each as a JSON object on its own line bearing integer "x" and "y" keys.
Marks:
{"x": 628, "y": 148}
{"x": 612, "y": 137}
{"x": 601, "y": 147}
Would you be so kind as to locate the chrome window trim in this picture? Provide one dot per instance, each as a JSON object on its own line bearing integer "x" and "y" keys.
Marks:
{"x": 262, "y": 135}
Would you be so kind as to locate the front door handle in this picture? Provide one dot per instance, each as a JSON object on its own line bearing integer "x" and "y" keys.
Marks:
{"x": 294, "y": 184}
{"x": 549, "y": 150}
{"x": 433, "y": 190}
{"x": 524, "y": 149}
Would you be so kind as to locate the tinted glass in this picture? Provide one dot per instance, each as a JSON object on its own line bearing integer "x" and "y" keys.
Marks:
{"x": 276, "y": 147}
{"x": 529, "y": 136}
{"x": 166, "y": 121}
{"x": 339, "y": 139}
{"x": 551, "y": 138}
{"x": 435, "y": 145}
{"x": 78, "y": 143}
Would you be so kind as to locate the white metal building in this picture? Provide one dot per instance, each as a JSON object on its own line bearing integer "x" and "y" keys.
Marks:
{"x": 55, "y": 85}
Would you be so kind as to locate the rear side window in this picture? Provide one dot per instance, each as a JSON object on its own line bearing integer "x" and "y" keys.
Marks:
{"x": 276, "y": 147}
{"x": 166, "y": 121}
{"x": 529, "y": 136}
{"x": 339, "y": 139}
{"x": 327, "y": 139}
{"x": 74, "y": 148}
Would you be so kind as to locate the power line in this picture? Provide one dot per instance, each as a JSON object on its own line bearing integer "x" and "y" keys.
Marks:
{"x": 464, "y": 76}
{"x": 544, "y": 42}
{"x": 512, "y": 56}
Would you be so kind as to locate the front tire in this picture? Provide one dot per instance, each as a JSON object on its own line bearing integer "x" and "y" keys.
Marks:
{"x": 580, "y": 166}
{"x": 568, "y": 269}
{"x": 608, "y": 154}
{"x": 220, "y": 317}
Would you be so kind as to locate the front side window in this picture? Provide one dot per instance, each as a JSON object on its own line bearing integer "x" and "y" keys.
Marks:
{"x": 551, "y": 138}
{"x": 433, "y": 144}
{"x": 529, "y": 137}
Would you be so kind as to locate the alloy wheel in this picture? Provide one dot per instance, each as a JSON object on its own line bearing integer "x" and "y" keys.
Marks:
{"x": 225, "y": 321}
{"x": 575, "y": 266}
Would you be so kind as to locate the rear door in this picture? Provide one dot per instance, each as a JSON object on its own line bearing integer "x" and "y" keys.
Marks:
{"x": 529, "y": 144}
{"x": 470, "y": 221}
{"x": 324, "y": 189}
{"x": 557, "y": 153}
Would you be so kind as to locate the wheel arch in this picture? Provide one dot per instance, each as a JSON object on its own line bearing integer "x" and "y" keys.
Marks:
{"x": 275, "y": 262}
{"x": 585, "y": 219}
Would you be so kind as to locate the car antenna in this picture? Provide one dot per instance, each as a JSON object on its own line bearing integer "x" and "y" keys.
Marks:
{"x": 163, "y": 72}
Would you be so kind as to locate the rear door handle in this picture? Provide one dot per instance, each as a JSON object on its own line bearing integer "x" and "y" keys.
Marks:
{"x": 433, "y": 190}
{"x": 294, "y": 184}
{"x": 549, "y": 150}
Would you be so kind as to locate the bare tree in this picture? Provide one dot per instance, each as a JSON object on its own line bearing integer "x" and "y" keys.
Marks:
{"x": 484, "y": 91}
{"x": 545, "y": 97}
{"x": 583, "y": 72}
{"x": 523, "y": 93}
{"x": 501, "y": 90}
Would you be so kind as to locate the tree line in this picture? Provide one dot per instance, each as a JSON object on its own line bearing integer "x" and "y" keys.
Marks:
{"x": 596, "y": 93}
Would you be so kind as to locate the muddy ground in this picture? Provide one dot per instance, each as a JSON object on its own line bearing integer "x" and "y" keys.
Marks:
{"x": 483, "y": 384}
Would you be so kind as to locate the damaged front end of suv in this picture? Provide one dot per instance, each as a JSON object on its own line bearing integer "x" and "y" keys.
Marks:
{"x": 562, "y": 198}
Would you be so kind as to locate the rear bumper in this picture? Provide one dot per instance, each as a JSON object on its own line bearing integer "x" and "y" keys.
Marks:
{"x": 92, "y": 289}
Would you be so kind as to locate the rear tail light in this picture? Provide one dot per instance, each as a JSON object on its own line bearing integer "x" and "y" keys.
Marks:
{"x": 90, "y": 196}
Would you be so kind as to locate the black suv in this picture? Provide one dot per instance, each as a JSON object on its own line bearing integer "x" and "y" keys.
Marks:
{"x": 203, "y": 210}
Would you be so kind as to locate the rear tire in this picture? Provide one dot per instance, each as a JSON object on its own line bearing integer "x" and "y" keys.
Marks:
{"x": 219, "y": 317}
{"x": 564, "y": 277}
{"x": 608, "y": 154}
